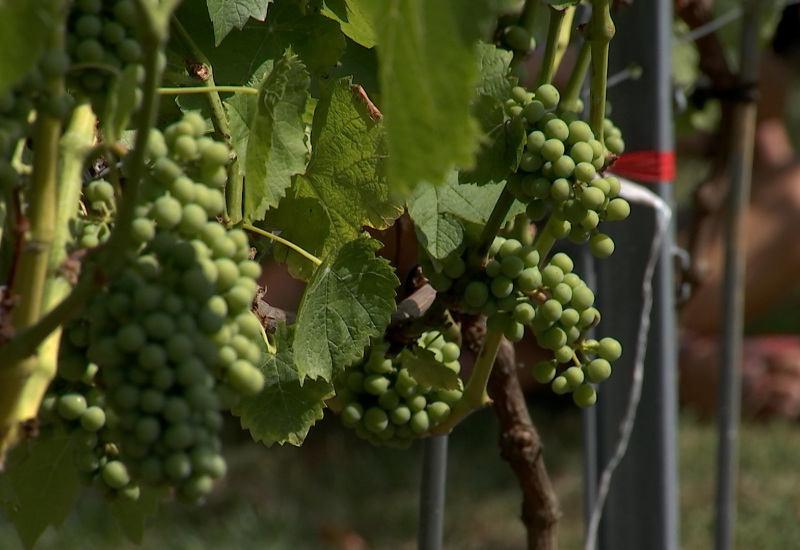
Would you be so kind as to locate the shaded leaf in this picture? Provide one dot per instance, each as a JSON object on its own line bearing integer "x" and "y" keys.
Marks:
{"x": 24, "y": 30}
{"x": 349, "y": 299}
{"x": 429, "y": 372}
{"x": 227, "y": 14}
{"x": 354, "y": 17}
{"x": 131, "y": 515}
{"x": 285, "y": 410}
{"x": 344, "y": 187}
{"x": 45, "y": 483}
{"x": 269, "y": 131}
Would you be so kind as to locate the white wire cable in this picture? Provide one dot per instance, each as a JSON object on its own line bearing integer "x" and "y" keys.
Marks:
{"x": 635, "y": 193}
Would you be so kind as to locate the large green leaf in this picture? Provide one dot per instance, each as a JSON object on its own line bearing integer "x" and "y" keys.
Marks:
{"x": 131, "y": 515}
{"x": 24, "y": 28}
{"x": 285, "y": 410}
{"x": 349, "y": 299}
{"x": 355, "y": 18}
{"x": 268, "y": 132}
{"x": 227, "y": 14}
{"x": 45, "y": 483}
{"x": 436, "y": 211}
{"x": 316, "y": 40}
{"x": 427, "y": 72}
{"x": 344, "y": 188}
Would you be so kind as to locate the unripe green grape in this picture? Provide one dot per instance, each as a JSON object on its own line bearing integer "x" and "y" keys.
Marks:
{"x": 582, "y": 152}
{"x": 552, "y": 274}
{"x": 509, "y": 247}
{"x": 400, "y": 415}
{"x": 582, "y": 298}
{"x": 592, "y": 197}
{"x": 617, "y": 209}
{"x": 416, "y": 402}
{"x": 512, "y": 266}
{"x": 450, "y": 352}
{"x": 589, "y": 318}
{"x": 519, "y": 94}
{"x": 476, "y": 294}
{"x": 564, "y": 166}
{"x": 550, "y": 311}
{"x": 147, "y": 430}
{"x": 438, "y": 411}
{"x": 514, "y": 110}
{"x": 71, "y": 406}
{"x": 562, "y": 292}
{"x": 176, "y": 409}
{"x": 584, "y": 395}
{"x": 598, "y": 370}
{"x": 553, "y": 338}
{"x": 352, "y": 414}
{"x": 376, "y": 420}
{"x": 131, "y": 337}
{"x": 609, "y": 349}
{"x": 531, "y": 162}
{"x": 501, "y": 286}
{"x": 517, "y": 38}
{"x": 560, "y": 190}
{"x": 389, "y": 400}
{"x": 115, "y": 474}
{"x": 514, "y": 331}
{"x": 615, "y": 144}
{"x": 591, "y": 220}
{"x": 376, "y": 384}
{"x": 244, "y": 378}
{"x": 560, "y": 385}
{"x": 552, "y": 150}
{"x": 90, "y": 51}
{"x": 533, "y": 113}
{"x": 177, "y": 466}
{"x": 564, "y": 354}
{"x": 585, "y": 172}
{"x": 601, "y": 246}
{"x": 530, "y": 279}
{"x": 524, "y": 313}
{"x": 536, "y": 140}
{"x": 420, "y": 422}
{"x": 93, "y": 418}
{"x": 574, "y": 376}
{"x": 166, "y": 212}
{"x": 548, "y": 95}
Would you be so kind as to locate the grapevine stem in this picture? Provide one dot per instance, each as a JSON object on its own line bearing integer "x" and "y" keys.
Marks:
{"x": 527, "y": 18}
{"x": 235, "y": 186}
{"x": 545, "y": 239}
{"x": 551, "y": 48}
{"x": 572, "y": 91}
{"x": 599, "y": 32}
{"x": 276, "y": 238}
{"x": 475, "y": 395}
{"x": 493, "y": 224}
{"x": 207, "y": 89}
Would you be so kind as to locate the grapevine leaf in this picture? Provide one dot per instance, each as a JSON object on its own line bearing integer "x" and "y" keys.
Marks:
{"x": 501, "y": 150}
{"x": 227, "y": 14}
{"x": 421, "y": 54}
{"x": 494, "y": 79}
{"x": 24, "y": 29}
{"x": 354, "y": 17}
{"x": 427, "y": 371}
{"x": 285, "y": 410}
{"x": 437, "y": 209}
{"x": 349, "y": 300}
{"x": 275, "y": 136}
{"x": 344, "y": 188}
{"x": 131, "y": 515}
{"x": 241, "y": 110}
{"x": 316, "y": 40}
{"x": 46, "y": 485}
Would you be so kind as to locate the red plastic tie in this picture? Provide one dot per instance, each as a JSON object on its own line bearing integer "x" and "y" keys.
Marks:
{"x": 645, "y": 166}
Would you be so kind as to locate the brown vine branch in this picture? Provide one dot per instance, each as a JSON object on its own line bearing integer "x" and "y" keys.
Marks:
{"x": 521, "y": 447}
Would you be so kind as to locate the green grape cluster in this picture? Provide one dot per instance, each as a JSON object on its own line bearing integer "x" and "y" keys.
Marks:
{"x": 78, "y": 405}
{"x": 92, "y": 227}
{"x": 519, "y": 290}
{"x": 385, "y": 404}
{"x": 101, "y": 41}
{"x": 560, "y": 170}
{"x": 173, "y": 333}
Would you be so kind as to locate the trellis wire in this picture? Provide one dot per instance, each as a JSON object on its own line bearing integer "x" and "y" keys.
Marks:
{"x": 637, "y": 194}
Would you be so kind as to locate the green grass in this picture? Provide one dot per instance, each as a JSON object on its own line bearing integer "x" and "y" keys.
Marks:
{"x": 337, "y": 488}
